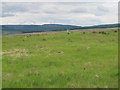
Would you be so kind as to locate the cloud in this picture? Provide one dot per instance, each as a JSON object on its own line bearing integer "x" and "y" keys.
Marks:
{"x": 79, "y": 10}
{"x": 101, "y": 10}
{"x": 64, "y": 13}
{"x": 6, "y": 15}
{"x": 59, "y": 0}
{"x": 14, "y": 7}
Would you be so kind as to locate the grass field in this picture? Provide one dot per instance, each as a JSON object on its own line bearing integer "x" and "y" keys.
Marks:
{"x": 77, "y": 60}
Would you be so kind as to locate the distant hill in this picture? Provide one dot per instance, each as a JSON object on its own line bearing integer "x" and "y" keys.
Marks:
{"x": 102, "y": 26}
{"x": 30, "y": 28}
{"x": 14, "y": 29}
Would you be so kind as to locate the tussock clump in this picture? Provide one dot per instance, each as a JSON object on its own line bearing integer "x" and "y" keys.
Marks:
{"x": 21, "y": 75}
{"x": 95, "y": 86}
{"x": 107, "y": 32}
{"x": 44, "y": 39}
{"x": 33, "y": 73}
{"x": 84, "y": 32}
{"x": 78, "y": 49}
{"x": 61, "y": 74}
{"x": 94, "y": 32}
{"x": 26, "y": 36}
{"x": 88, "y": 47}
{"x": 74, "y": 85}
{"x": 97, "y": 76}
{"x": 56, "y": 52}
{"x": 115, "y": 31}
{"x": 106, "y": 86}
{"x": 68, "y": 33}
{"x": 49, "y": 80}
{"x": 84, "y": 68}
{"x": 59, "y": 52}
{"x": 103, "y": 32}
{"x": 40, "y": 46}
{"x": 70, "y": 40}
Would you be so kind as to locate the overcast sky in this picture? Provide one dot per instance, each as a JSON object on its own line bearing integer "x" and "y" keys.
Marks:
{"x": 77, "y": 13}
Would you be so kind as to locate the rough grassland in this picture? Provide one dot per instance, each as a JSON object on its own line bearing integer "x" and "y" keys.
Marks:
{"x": 76, "y": 60}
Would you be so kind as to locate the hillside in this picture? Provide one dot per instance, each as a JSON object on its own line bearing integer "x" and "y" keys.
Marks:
{"x": 15, "y": 29}
{"x": 34, "y": 28}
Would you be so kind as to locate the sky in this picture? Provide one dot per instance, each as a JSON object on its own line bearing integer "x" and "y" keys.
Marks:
{"x": 69, "y": 13}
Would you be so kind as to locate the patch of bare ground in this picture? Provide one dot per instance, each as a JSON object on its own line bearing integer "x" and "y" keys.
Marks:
{"x": 7, "y": 76}
{"x": 19, "y": 53}
{"x": 54, "y": 52}
{"x": 16, "y": 52}
{"x": 1, "y": 53}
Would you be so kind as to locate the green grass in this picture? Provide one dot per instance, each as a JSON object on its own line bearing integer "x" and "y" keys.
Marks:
{"x": 61, "y": 61}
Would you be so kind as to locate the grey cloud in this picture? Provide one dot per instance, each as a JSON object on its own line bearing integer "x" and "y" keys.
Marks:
{"x": 90, "y": 21}
{"x": 94, "y": 20}
{"x": 91, "y": 8}
{"x": 14, "y": 7}
{"x": 50, "y": 12}
{"x": 100, "y": 11}
{"x": 102, "y": 8}
{"x": 6, "y": 15}
{"x": 79, "y": 10}
{"x": 45, "y": 12}
{"x": 11, "y": 8}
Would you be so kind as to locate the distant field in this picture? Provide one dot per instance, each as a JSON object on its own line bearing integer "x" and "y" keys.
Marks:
{"x": 10, "y": 32}
{"x": 75, "y": 60}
